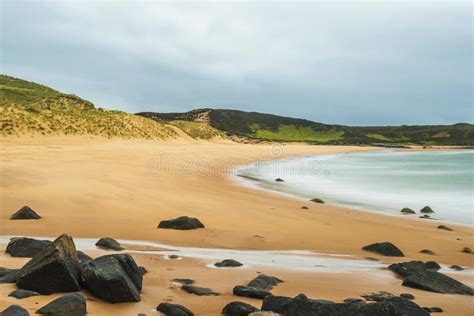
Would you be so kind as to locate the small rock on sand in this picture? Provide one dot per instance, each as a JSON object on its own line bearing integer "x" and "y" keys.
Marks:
{"x": 466, "y": 250}
{"x": 228, "y": 263}
{"x": 174, "y": 310}
{"x": 428, "y": 252}
{"x": 15, "y": 310}
{"x": 109, "y": 243}
{"x": 444, "y": 227}
{"x": 238, "y": 309}
{"x": 181, "y": 223}
{"x": 385, "y": 249}
{"x": 20, "y": 294}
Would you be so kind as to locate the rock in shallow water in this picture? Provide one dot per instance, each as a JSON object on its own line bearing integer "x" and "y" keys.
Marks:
{"x": 317, "y": 200}
{"x": 407, "y": 210}
{"x": 174, "y": 310}
{"x": 238, "y": 309}
{"x": 228, "y": 263}
{"x": 67, "y": 305}
{"x": 109, "y": 243}
{"x": 15, "y": 310}
{"x": 54, "y": 269}
{"x": 416, "y": 275}
{"x": 426, "y": 210}
{"x": 113, "y": 278}
{"x": 25, "y": 213}
{"x": 23, "y": 247}
{"x": 385, "y": 249}
{"x": 181, "y": 223}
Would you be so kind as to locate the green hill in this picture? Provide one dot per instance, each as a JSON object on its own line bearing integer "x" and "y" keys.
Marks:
{"x": 260, "y": 126}
{"x": 27, "y": 107}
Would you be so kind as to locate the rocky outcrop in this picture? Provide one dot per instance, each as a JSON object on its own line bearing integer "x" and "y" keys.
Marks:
{"x": 238, "y": 309}
{"x": 407, "y": 210}
{"x": 252, "y": 292}
{"x": 417, "y": 275}
{"x": 109, "y": 243}
{"x": 113, "y": 278}
{"x": 24, "y": 247}
{"x": 181, "y": 223}
{"x": 54, "y": 269}
{"x": 426, "y": 210}
{"x": 174, "y": 310}
{"x": 21, "y": 294}
{"x": 25, "y": 213}
{"x": 228, "y": 263}
{"x": 67, "y": 305}
{"x": 385, "y": 249}
{"x": 303, "y": 306}
{"x": 201, "y": 291}
{"x": 15, "y": 310}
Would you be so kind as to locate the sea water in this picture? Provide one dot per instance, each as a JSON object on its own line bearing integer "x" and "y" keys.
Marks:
{"x": 384, "y": 181}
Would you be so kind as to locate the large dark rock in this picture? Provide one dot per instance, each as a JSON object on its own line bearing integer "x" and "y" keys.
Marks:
{"x": 407, "y": 210}
{"x": 417, "y": 275}
{"x": 181, "y": 223}
{"x": 228, "y": 263}
{"x": 8, "y": 275}
{"x": 264, "y": 282}
{"x": 248, "y": 291}
{"x": 238, "y": 309}
{"x": 385, "y": 249}
{"x": 25, "y": 213}
{"x": 15, "y": 310}
{"x": 201, "y": 291}
{"x": 24, "y": 247}
{"x": 113, "y": 278}
{"x": 20, "y": 294}
{"x": 174, "y": 310}
{"x": 426, "y": 209}
{"x": 279, "y": 180}
{"x": 302, "y": 306}
{"x": 83, "y": 258}
{"x": 67, "y": 305}
{"x": 54, "y": 269}
{"x": 109, "y": 243}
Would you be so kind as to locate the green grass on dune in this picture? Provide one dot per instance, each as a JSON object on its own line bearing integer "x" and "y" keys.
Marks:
{"x": 296, "y": 133}
{"x": 198, "y": 130}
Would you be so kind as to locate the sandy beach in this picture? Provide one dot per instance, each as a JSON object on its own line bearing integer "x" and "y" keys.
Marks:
{"x": 123, "y": 189}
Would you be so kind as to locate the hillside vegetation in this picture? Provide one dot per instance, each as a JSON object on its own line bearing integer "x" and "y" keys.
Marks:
{"x": 27, "y": 107}
{"x": 260, "y": 126}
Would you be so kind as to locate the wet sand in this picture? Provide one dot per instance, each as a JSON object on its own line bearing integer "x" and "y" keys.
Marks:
{"x": 122, "y": 189}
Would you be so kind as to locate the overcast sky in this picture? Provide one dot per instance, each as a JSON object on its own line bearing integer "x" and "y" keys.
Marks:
{"x": 356, "y": 63}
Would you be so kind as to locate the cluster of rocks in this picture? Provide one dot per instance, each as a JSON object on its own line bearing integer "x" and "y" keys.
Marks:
{"x": 425, "y": 210}
{"x": 258, "y": 288}
{"x": 300, "y": 305}
{"x": 56, "y": 267}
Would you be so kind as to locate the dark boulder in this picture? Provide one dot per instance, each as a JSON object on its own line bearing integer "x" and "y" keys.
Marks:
{"x": 20, "y": 294}
{"x": 317, "y": 200}
{"x": 385, "y": 249}
{"x": 54, "y": 269}
{"x": 252, "y": 292}
{"x": 173, "y": 257}
{"x": 238, "y": 309}
{"x": 25, "y": 213}
{"x": 416, "y": 275}
{"x": 444, "y": 227}
{"x": 467, "y": 250}
{"x": 264, "y": 282}
{"x": 113, "y": 278}
{"x": 109, "y": 243}
{"x": 426, "y": 210}
{"x": 181, "y": 223}
{"x": 24, "y": 247}
{"x": 8, "y": 275}
{"x": 174, "y": 310}
{"x": 428, "y": 252}
{"x": 432, "y": 266}
{"x": 228, "y": 263}
{"x": 14, "y": 310}
{"x": 83, "y": 258}
{"x": 279, "y": 180}
{"x": 201, "y": 291}
{"x": 68, "y": 305}
{"x": 407, "y": 210}
{"x": 302, "y": 306}
{"x": 456, "y": 267}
